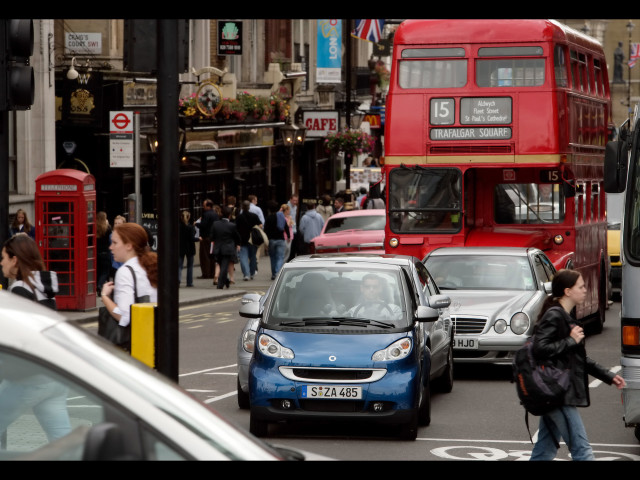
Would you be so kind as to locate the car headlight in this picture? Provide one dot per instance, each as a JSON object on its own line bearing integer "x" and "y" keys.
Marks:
{"x": 519, "y": 323}
{"x": 271, "y": 348}
{"x": 396, "y": 351}
{"x": 500, "y": 326}
{"x": 249, "y": 340}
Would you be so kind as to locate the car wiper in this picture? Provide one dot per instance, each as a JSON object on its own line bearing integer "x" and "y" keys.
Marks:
{"x": 336, "y": 321}
{"x": 363, "y": 322}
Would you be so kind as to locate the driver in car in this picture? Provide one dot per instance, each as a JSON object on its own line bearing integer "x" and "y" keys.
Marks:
{"x": 373, "y": 304}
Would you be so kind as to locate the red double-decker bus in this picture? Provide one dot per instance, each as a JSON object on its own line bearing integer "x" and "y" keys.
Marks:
{"x": 495, "y": 136}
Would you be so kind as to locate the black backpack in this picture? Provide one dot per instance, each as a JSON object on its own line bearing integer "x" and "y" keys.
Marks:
{"x": 541, "y": 387}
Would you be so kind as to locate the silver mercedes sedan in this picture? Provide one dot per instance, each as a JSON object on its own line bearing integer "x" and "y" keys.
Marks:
{"x": 67, "y": 394}
{"x": 496, "y": 295}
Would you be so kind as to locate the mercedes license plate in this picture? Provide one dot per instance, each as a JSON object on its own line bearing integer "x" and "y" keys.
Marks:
{"x": 466, "y": 343}
{"x": 331, "y": 392}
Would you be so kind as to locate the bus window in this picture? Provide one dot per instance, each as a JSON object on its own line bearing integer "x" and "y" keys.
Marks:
{"x": 528, "y": 203}
{"x": 425, "y": 200}
{"x": 509, "y": 72}
{"x": 560, "y": 66}
{"x": 597, "y": 72}
{"x": 433, "y": 74}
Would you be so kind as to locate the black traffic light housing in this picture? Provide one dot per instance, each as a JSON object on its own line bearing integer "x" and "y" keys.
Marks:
{"x": 17, "y": 83}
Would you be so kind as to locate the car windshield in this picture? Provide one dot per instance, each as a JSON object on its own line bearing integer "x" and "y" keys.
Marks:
{"x": 481, "y": 272}
{"x": 356, "y": 296}
{"x": 368, "y": 222}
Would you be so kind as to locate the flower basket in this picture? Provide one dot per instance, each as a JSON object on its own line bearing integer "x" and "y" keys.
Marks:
{"x": 352, "y": 142}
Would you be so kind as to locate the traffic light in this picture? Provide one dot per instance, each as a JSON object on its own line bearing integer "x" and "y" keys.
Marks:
{"x": 17, "y": 83}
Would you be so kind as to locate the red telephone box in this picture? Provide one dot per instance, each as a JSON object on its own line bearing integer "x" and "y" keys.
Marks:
{"x": 65, "y": 233}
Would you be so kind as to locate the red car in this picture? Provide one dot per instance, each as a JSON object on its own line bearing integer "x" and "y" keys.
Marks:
{"x": 352, "y": 231}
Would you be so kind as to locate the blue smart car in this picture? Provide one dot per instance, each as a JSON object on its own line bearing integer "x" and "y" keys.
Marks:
{"x": 349, "y": 337}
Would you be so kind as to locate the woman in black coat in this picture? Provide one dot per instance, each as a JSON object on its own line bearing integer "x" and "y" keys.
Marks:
{"x": 560, "y": 341}
{"x": 187, "y": 246}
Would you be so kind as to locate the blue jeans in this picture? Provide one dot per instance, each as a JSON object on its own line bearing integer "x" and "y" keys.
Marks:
{"x": 565, "y": 424}
{"x": 248, "y": 261}
{"x": 189, "y": 269}
{"x": 47, "y": 399}
{"x": 276, "y": 254}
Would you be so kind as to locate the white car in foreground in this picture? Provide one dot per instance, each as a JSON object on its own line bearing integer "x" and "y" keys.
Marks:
{"x": 108, "y": 405}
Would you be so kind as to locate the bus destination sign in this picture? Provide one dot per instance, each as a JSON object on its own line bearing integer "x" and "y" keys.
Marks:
{"x": 477, "y": 133}
{"x": 486, "y": 111}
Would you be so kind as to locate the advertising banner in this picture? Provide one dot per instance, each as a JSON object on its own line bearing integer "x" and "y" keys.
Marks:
{"x": 329, "y": 54}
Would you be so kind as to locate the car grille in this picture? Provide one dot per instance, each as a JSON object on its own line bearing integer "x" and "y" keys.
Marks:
{"x": 333, "y": 375}
{"x": 338, "y": 406}
{"x": 469, "y": 325}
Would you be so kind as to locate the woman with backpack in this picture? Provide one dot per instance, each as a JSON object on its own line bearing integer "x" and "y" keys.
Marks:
{"x": 559, "y": 341}
{"x": 22, "y": 262}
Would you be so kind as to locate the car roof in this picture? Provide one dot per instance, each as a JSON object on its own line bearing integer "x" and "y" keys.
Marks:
{"x": 378, "y": 258}
{"x": 360, "y": 213}
{"x": 510, "y": 251}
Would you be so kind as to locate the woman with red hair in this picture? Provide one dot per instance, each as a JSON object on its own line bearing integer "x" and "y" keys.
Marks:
{"x": 130, "y": 245}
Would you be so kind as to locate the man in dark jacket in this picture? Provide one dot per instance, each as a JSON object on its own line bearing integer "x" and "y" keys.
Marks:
{"x": 245, "y": 221}
{"x": 226, "y": 245}
{"x": 207, "y": 262}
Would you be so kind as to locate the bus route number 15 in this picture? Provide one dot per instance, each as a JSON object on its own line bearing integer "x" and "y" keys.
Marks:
{"x": 442, "y": 111}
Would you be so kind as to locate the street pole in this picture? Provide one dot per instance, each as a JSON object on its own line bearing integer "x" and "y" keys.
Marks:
{"x": 168, "y": 175}
{"x": 136, "y": 164}
{"x": 4, "y": 185}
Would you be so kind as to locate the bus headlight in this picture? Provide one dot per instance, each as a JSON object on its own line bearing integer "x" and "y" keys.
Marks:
{"x": 519, "y": 323}
{"x": 393, "y": 242}
{"x": 558, "y": 239}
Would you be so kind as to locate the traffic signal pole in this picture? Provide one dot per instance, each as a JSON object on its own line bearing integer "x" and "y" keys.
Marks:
{"x": 17, "y": 87}
{"x": 168, "y": 175}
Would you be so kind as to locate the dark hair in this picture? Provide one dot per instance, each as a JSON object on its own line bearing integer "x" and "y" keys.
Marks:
{"x": 563, "y": 279}
{"x": 25, "y": 248}
{"x": 137, "y": 236}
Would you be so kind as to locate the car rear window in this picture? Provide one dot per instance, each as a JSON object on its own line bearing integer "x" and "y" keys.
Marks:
{"x": 369, "y": 222}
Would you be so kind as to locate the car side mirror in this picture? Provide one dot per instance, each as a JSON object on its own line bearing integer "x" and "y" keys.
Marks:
{"x": 427, "y": 314}
{"x": 250, "y": 297}
{"x": 439, "y": 301}
{"x": 250, "y": 310}
{"x": 547, "y": 288}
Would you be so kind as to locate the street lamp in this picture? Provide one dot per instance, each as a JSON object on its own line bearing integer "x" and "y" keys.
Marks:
{"x": 292, "y": 135}
{"x": 630, "y": 27}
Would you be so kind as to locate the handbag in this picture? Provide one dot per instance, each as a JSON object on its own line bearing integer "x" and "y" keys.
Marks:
{"x": 110, "y": 329}
{"x": 257, "y": 237}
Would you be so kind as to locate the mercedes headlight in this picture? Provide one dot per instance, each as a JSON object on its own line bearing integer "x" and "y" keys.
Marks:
{"x": 519, "y": 323}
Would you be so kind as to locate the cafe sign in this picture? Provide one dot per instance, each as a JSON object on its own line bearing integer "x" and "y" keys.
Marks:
{"x": 320, "y": 123}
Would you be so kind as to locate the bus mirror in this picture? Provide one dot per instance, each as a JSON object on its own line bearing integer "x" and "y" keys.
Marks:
{"x": 569, "y": 188}
{"x": 615, "y": 166}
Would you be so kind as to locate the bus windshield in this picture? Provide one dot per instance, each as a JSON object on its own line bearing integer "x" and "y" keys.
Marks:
{"x": 528, "y": 203}
{"x": 425, "y": 199}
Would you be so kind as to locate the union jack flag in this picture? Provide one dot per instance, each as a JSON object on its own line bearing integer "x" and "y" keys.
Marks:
{"x": 634, "y": 54}
{"x": 368, "y": 30}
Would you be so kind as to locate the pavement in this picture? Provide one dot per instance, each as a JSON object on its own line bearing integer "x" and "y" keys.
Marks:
{"x": 203, "y": 290}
